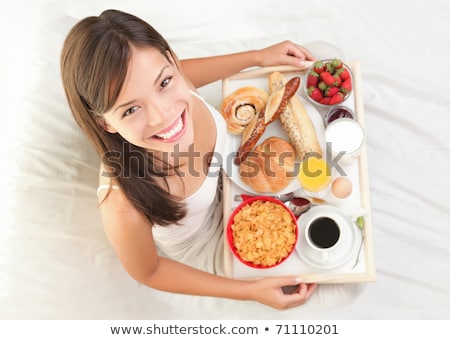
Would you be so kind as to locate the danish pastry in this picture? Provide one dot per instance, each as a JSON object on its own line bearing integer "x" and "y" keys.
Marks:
{"x": 239, "y": 108}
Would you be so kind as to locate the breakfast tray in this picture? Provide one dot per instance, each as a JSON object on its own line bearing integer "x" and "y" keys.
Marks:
{"x": 360, "y": 267}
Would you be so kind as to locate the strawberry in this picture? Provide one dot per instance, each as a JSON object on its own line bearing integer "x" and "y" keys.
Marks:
{"x": 337, "y": 64}
{"x": 336, "y": 99}
{"x": 322, "y": 86}
{"x": 315, "y": 93}
{"x": 337, "y": 81}
{"x": 329, "y": 82}
{"x": 346, "y": 86}
{"x": 325, "y": 101}
{"x": 329, "y": 67}
{"x": 327, "y": 78}
{"x": 331, "y": 91}
{"x": 345, "y": 74}
{"x": 313, "y": 79}
{"x": 318, "y": 67}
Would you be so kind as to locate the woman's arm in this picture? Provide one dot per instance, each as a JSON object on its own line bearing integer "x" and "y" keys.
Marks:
{"x": 202, "y": 71}
{"x": 133, "y": 242}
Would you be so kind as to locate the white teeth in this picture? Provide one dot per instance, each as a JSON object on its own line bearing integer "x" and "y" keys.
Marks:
{"x": 176, "y": 129}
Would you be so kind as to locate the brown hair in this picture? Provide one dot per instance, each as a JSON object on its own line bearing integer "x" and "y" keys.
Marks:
{"x": 94, "y": 64}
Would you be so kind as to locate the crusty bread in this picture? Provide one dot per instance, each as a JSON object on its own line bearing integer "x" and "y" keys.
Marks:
{"x": 295, "y": 121}
{"x": 270, "y": 167}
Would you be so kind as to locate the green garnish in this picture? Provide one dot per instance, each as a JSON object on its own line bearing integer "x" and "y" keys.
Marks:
{"x": 360, "y": 222}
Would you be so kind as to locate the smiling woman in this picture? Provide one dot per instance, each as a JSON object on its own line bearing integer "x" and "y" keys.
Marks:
{"x": 156, "y": 109}
{"x": 55, "y": 260}
{"x": 137, "y": 104}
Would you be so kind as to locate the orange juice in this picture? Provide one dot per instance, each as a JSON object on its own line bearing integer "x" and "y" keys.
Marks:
{"x": 315, "y": 174}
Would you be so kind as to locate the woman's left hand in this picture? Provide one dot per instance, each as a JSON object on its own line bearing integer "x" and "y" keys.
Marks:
{"x": 284, "y": 53}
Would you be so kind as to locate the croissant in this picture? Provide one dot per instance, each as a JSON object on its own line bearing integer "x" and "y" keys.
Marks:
{"x": 295, "y": 121}
{"x": 239, "y": 108}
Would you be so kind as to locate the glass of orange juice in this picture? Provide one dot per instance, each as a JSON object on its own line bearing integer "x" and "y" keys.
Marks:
{"x": 315, "y": 176}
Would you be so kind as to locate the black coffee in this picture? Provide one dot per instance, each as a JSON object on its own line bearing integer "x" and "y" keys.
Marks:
{"x": 324, "y": 232}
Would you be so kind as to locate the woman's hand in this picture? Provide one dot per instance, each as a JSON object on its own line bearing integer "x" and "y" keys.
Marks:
{"x": 284, "y": 53}
{"x": 269, "y": 292}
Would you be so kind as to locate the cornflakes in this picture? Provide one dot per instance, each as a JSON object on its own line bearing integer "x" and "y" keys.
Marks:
{"x": 264, "y": 233}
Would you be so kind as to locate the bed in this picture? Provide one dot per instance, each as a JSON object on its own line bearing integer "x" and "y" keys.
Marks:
{"x": 55, "y": 260}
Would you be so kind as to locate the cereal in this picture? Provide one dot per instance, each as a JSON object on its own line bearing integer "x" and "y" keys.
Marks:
{"x": 264, "y": 233}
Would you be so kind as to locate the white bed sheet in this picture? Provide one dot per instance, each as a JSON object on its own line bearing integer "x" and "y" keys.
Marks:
{"x": 55, "y": 261}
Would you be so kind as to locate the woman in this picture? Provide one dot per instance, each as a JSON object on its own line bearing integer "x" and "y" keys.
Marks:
{"x": 159, "y": 197}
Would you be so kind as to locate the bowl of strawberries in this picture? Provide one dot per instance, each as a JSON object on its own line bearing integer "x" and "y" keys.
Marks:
{"x": 328, "y": 82}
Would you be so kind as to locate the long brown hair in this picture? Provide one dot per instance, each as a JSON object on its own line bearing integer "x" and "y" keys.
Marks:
{"x": 94, "y": 62}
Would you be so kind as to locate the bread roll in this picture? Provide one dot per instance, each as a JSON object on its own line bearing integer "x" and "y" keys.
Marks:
{"x": 270, "y": 167}
{"x": 239, "y": 108}
{"x": 295, "y": 121}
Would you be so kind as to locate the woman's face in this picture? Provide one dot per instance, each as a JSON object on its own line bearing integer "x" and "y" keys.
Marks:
{"x": 154, "y": 108}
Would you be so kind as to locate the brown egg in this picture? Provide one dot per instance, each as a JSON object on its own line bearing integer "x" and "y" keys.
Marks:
{"x": 341, "y": 187}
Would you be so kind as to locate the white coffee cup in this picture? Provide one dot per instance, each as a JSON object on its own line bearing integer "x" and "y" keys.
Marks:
{"x": 322, "y": 234}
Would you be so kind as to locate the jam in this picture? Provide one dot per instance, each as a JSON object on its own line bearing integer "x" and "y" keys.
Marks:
{"x": 338, "y": 112}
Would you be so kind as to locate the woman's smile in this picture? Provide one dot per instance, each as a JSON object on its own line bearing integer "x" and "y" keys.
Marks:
{"x": 175, "y": 131}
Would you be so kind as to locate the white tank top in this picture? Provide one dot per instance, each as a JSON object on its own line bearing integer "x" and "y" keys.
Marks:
{"x": 198, "y": 240}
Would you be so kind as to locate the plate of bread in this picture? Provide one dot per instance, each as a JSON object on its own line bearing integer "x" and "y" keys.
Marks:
{"x": 271, "y": 128}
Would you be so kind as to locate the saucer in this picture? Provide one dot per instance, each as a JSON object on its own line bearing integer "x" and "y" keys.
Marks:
{"x": 348, "y": 240}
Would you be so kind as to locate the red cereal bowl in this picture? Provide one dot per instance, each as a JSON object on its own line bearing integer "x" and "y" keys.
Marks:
{"x": 328, "y": 82}
{"x": 262, "y": 232}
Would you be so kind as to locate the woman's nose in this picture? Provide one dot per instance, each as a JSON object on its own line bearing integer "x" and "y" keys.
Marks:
{"x": 157, "y": 114}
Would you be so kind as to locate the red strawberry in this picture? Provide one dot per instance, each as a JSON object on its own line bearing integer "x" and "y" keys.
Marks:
{"x": 336, "y": 99}
{"x": 337, "y": 81}
{"x": 322, "y": 86}
{"x": 315, "y": 93}
{"x": 329, "y": 67}
{"x": 346, "y": 86}
{"x": 331, "y": 91}
{"x": 337, "y": 63}
{"x": 318, "y": 67}
{"x": 325, "y": 100}
{"x": 327, "y": 78}
{"x": 313, "y": 79}
{"x": 345, "y": 74}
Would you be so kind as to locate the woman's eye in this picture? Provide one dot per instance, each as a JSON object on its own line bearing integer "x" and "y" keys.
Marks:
{"x": 131, "y": 110}
{"x": 165, "y": 82}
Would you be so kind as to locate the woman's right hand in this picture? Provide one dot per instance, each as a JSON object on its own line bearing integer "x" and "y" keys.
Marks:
{"x": 269, "y": 291}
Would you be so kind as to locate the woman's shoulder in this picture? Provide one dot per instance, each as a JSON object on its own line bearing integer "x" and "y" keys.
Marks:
{"x": 106, "y": 181}
{"x": 115, "y": 208}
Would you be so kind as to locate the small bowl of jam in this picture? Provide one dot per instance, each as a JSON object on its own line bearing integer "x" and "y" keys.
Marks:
{"x": 338, "y": 112}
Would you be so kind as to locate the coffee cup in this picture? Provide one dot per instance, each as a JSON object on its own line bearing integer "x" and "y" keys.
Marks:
{"x": 322, "y": 234}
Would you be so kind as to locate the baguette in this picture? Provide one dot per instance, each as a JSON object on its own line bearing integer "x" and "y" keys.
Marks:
{"x": 295, "y": 121}
{"x": 276, "y": 103}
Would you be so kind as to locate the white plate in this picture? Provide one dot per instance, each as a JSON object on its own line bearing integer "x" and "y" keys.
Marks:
{"x": 234, "y": 141}
{"x": 339, "y": 256}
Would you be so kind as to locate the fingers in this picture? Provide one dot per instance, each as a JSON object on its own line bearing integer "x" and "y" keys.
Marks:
{"x": 283, "y": 292}
{"x": 308, "y": 54}
{"x": 302, "y": 295}
{"x": 298, "y": 54}
{"x": 310, "y": 289}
